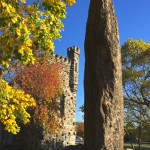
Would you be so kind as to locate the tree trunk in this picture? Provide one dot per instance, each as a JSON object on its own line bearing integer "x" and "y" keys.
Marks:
{"x": 103, "y": 79}
{"x": 140, "y": 130}
{"x": 130, "y": 139}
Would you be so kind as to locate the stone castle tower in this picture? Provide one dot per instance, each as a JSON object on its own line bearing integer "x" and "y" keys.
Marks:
{"x": 69, "y": 75}
{"x": 31, "y": 137}
{"x": 70, "y": 85}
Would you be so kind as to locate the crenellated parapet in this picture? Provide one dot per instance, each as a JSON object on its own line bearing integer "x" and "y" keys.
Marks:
{"x": 72, "y": 63}
{"x": 62, "y": 60}
{"x": 73, "y": 52}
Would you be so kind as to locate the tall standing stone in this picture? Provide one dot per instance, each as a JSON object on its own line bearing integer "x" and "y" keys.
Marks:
{"x": 103, "y": 79}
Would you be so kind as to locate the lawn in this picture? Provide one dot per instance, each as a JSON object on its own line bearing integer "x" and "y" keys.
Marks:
{"x": 143, "y": 147}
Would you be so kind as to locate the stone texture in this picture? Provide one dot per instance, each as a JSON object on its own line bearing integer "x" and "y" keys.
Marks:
{"x": 69, "y": 75}
{"x": 103, "y": 79}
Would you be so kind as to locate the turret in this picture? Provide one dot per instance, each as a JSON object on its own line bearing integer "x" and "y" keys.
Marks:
{"x": 73, "y": 54}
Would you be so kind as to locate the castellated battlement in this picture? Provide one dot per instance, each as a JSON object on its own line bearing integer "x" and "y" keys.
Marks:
{"x": 71, "y": 65}
{"x": 72, "y": 52}
{"x": 73, "y": 49}
{"x": 60, "y": 59}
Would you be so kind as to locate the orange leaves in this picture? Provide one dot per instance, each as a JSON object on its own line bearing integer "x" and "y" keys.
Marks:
{"x": 80, "y": 129}
{"x": 42, "y": 81}
{"x": 70, "y": 2}
{"x": 41, "y": 113}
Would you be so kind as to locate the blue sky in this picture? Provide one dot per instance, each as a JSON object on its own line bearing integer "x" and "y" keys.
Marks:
{"x": 133, "y": 20}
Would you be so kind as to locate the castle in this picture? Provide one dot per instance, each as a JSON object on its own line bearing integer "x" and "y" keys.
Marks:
{"x": 30, "y": 137}
{"x": 67, "y": 134}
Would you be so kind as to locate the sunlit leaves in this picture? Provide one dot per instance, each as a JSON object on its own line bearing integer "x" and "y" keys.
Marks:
{"x": 23, "y": 1}
{"x": 70, "y": 2}
{"x": 136, "y": 80}
{"x": 13, "y": 106}
{"x": 32, "y": 27}
{"x": 133, "y": 52}
{"x": 15, "y": 36}
{"x": 136, "y": 70}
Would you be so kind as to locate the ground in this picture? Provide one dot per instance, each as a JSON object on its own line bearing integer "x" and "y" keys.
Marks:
{"x": 81, "y": 147}
{"x": 143, "y": 147}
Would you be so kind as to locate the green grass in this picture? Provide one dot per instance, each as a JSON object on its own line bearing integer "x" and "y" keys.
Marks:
{"x": 143, "y": 147}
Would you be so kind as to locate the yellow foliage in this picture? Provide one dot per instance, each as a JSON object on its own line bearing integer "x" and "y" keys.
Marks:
{"x": 13, "y": 106}
{"x": 24, "y": 30}
{"x": 30, "y": 23}
{"x": 70, "y": 2}
{"x": 23, "y": 1}
{"x": 21, "y": 51}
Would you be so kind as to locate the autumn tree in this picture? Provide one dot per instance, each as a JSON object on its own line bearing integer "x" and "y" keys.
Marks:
{"x": 80, "y": 129}
{"x": 42, "y": 81}
{"x": 26, "y": 27}
{"x": 136, "y": 84}
{"x": 102, "y": 79}
{"x": 136, "y": 71}
{"x": 13, "y": 106}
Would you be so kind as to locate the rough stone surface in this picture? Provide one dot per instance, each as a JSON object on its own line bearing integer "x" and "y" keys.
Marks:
{"x": 33, "y": 138}
{"x": 103, "y": 79}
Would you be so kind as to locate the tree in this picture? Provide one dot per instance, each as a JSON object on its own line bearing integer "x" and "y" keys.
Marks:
{"x": 136, "y": 79}
{"x": 13, "y": 106}
{"x": 102, "y": 79}
{"x": 42, "y": 82}
{"x": 25, "y": 28}
{"x": 80, "y": 129}
{"x": 136, "y": 71}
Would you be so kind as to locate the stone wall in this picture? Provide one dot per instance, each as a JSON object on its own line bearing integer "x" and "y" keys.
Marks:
{"x": 69, "y": 75}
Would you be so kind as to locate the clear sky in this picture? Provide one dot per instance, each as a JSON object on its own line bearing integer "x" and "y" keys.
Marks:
{"x": 134, "y": 22}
